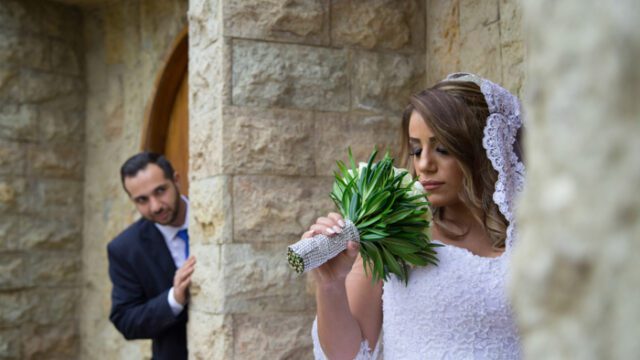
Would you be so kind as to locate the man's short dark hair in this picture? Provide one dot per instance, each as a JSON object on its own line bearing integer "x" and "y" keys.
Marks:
{"x": 140, "y": 161}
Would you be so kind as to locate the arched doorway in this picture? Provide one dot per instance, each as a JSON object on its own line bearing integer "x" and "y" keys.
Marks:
{"x": 166, "y": 126}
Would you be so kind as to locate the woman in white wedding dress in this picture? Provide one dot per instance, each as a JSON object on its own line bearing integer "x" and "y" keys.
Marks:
{"x": 461, "y": 139}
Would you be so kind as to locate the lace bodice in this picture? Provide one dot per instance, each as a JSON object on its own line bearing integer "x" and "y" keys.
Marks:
{"x": 456, "y": 310}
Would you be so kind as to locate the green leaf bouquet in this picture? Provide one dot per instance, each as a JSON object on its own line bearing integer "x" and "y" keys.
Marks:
{"x": 385, "y": 210}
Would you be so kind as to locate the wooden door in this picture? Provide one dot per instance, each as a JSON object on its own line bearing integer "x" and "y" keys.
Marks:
{"x": 166, "y": 128}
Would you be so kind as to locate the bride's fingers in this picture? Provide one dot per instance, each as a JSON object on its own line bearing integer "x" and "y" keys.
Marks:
{"x": 325, "y": 230}
{"x": 352, "y": 249}
{"x": 330, "y": 224}
{"x": 337, "y": 218}
{"x": 308, "y": 234}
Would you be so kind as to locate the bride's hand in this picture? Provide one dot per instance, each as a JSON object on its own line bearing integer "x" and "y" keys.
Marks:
{"x": 336, "y": 269}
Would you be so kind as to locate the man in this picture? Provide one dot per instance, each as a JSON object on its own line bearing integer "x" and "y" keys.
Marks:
{"x": 149, "y": 263}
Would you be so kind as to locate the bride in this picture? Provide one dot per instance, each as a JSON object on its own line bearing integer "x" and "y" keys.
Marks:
{"x": 460, "y": 140}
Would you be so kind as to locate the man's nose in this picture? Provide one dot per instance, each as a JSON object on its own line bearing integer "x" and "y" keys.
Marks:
{"x": 155, "y": 205}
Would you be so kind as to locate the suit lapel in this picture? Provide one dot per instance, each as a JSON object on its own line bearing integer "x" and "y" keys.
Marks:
{"x": 156, "y": 247}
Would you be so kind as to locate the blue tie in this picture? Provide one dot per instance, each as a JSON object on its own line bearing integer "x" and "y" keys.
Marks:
{"x": 184, "y": 235}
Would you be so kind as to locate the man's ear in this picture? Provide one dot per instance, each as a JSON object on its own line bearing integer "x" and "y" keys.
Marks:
{"x": 176, "y": 179}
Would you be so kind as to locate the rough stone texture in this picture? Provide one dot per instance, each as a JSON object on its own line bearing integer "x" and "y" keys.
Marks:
{"x": 256, "y": 338}
{"x": 379, "y": 24}
{"x": 383, "y": 82}
{"x": 276, "y": 142}
{"x": 482, "y": 37}
{"x": 336, "y": 133}
{"x": 301, "y": 21}
{"x": 280, "y": 75}
{"x": 211, "y": 201}
{"x": 259, "y": 281}
{"x": 41, "y": 185}
{"x": 576, "y": 282}
{"x": 277, "y": 209}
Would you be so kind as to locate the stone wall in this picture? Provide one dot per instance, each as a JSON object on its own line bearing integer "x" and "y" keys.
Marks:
{"x": 480, "y": 36}
{"x": 278, "y": 90}
{"x": 41, "y": 179}
{"x": 125, "y": 47}
{"x": 576, "y": 272}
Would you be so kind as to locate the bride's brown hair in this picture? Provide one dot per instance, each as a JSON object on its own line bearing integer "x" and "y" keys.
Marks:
{"x": 456, "y": 112}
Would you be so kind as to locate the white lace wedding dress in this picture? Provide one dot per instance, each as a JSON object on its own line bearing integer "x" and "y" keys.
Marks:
{"x": 456, "y": 310}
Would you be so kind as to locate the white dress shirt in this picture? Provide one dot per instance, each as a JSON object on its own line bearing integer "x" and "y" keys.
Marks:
{"x": 177, "y": 248}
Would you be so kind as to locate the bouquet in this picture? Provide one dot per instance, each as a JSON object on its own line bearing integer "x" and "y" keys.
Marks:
{"x": 385, "y": 210}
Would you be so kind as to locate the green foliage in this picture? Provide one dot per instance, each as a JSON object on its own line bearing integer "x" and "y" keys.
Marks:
{"x": 390, "y": 217}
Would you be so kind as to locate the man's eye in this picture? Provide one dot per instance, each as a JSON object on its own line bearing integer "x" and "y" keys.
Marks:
{"x": 141, "y": 201}
{"x": 160, "y": 191}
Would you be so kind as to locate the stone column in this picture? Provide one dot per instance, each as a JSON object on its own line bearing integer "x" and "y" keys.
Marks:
{"x": 278, "y": 90}
{"x": 576, "y": 284}
{"x": 41, "y": 179}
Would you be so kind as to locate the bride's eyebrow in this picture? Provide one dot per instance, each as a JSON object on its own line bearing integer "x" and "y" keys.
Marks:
{"x": 431, "y": 140}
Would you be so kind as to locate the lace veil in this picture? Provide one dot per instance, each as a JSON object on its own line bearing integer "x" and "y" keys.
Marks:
{"x": 501, "y": 141}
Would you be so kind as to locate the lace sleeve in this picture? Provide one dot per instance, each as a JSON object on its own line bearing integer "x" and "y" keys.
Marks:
{"x": 363, "y": 354}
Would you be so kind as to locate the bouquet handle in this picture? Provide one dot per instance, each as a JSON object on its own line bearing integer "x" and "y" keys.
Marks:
{"x": 310, "y": 253}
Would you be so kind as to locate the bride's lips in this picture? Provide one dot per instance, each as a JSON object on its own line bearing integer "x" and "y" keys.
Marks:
{"x": 431, "y": 184}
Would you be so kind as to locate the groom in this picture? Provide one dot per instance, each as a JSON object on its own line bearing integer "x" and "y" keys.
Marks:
{"x": 149, "y": 262}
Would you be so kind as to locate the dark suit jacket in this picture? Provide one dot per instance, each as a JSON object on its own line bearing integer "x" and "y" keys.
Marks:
{"x": 141, "y": 270}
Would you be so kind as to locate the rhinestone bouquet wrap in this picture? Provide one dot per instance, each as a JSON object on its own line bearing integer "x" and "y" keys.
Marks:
{"x": 312, "y": 252}
{"x": 385, "y": 210}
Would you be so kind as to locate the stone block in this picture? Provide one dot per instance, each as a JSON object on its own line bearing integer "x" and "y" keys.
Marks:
{"x": 258, "y": 280}
{"x": 11, "y": 13}
{"x": 39, "y": 87}
{"x": 10, "y": 86}
{"x": 268, "y": 141}
{"x": 61, "y": 126}
{"x": 54, "y": 268}
{"x": 159, "y": 24}
{"x": 19, "y": 122}
{"x": 208, "y": 281}
{"x": 63, "y": 161}
{"x": 60, "y": 193}
{"x": 289, "y": 76}
{"x": 9, "y": 231}
{"x": 336, "y": 132}
{"x": 443, "y": 39}
{"x": 378, "y": 24}
{"x": 205, "y": 22}
{"x": 12, "y": 158}
{"x": 206, "y": 91}
{"x": 277, "y": 209}
{"x": 50, "y": 234}
{"x": 10, "y": 342}
{"x": 302, "y": 21}
{"x": 59, "y": 341}
{"x": 10, "y": 49}
{"x": 16, "y": 309}
{"x": 211, "y": 337}
{"x": 210, "y": 204}
{"x": 283, "y": 335}
{"x": 65, "y": 58}
{"x": 13, "y": 195}
{"x": 54, "y": 306}
{"x": 13, "y": 271}
{"x": 480, "y": 34}
{"x": 384, "y": 82}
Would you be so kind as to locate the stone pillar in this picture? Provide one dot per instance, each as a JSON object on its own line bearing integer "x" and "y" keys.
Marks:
{"x": 479, "y": 36}
{"x": 278, "y": 90}
{"x": 576, "y": 283}
{"x": 41, "y": 179}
